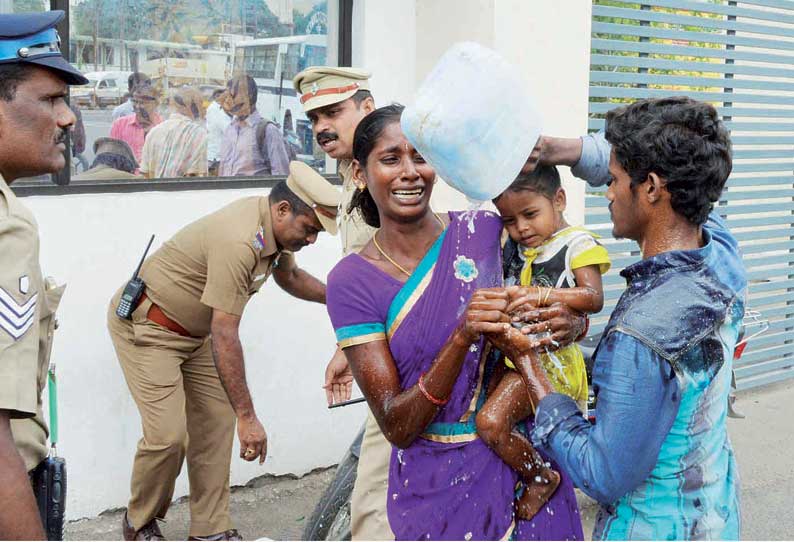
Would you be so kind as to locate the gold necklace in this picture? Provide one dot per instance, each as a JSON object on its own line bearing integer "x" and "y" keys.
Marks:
{"x": 391, "y": 261}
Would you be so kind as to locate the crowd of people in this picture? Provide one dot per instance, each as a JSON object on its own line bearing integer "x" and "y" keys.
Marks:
{"x": 186, "y": 134}
{"x": 462, "y": 344}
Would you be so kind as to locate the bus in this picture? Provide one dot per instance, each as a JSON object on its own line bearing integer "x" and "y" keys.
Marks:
{"x": 273, "y": 63}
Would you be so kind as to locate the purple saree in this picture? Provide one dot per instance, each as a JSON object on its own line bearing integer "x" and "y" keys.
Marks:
{"x": 448, "y": 484}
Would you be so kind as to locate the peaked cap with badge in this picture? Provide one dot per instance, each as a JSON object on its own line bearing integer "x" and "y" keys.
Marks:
{"x": 316, "y": 192}
{"x": 31, "y": 38}
{"x": 319, "y": 86}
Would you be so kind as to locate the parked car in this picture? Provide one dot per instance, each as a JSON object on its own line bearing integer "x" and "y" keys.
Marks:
{"x": 103, "y": 89}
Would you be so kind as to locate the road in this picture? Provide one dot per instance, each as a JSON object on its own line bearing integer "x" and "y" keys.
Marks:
{"x": 277, "y": 507}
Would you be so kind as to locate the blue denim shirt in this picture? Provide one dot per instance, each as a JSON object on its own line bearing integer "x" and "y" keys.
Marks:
{"x": 658, "y": 459}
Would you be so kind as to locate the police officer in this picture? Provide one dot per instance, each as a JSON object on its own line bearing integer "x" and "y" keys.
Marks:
{"x": 181, "y": 353}
{"x": 34, "y": 120}
{"x": 335, "y": 101}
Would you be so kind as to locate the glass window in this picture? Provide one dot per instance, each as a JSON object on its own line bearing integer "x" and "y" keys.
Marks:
{"x": 19, "y": 6}
{"x": 158, "y": 75}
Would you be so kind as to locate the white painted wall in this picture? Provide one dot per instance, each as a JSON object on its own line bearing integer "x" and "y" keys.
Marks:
{"x": 93, "y": 242}
{"x": 550, "y": 43}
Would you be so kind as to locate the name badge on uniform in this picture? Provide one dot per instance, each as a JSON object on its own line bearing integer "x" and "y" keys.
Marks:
{"x": 259, "y": 239}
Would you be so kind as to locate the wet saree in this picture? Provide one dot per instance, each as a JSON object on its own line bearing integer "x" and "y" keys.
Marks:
{"x": 448, "y": 484}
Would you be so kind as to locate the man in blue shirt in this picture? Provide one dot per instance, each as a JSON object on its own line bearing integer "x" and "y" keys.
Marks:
{"x": 658, "y": 460}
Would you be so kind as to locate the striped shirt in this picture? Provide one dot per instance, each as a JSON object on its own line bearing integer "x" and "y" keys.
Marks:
{"x": 175, "y": 148}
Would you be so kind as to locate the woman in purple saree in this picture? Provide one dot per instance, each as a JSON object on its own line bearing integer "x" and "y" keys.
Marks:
{"x": 410, "y": 311}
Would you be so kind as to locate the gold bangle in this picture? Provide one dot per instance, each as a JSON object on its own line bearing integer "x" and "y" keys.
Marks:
{"x": 548, "y": 295}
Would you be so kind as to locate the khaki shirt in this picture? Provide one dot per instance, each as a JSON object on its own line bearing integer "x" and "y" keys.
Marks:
{"x": 23, "y": 305}
{"x": 217, "y": 262}
{"x": 354, "y": 232}
{"x": 104, "y": 173}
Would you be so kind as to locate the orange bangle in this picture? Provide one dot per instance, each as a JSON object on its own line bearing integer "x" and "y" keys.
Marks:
{"x": 437, "y": 402}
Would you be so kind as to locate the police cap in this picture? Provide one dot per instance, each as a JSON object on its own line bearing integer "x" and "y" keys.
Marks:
{"x": 319, "y": 86}
{"x": 316, "y": 192}
{"x": 31, "y": 38}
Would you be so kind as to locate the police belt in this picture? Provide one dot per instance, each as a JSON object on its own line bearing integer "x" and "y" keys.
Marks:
{"x": 155, "y": 314}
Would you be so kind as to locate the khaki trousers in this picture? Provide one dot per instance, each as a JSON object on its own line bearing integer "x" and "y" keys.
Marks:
{"x": 368, "y": 505}
{"x": 184, "y": 411}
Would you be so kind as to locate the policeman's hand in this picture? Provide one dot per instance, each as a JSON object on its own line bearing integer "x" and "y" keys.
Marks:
{"x": 338, "y": 379}
{"x": 253, "y": 439}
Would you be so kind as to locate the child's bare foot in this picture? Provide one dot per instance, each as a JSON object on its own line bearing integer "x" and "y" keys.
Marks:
{"x": 537, "y": 492}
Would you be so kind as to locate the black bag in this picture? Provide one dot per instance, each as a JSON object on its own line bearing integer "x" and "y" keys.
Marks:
{"x": 49, "y": 487}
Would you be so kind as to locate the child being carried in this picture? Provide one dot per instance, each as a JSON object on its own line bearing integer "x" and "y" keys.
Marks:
{"x": 553, "y": 263}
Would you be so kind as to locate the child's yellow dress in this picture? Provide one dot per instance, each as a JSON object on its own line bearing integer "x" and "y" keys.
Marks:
{"x": 552, "y": 265}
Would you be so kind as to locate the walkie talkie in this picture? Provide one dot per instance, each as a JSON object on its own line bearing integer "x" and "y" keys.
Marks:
{"x": 133, "y": 290}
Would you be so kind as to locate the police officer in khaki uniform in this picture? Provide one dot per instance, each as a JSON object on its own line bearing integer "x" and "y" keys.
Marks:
{"x": 34, "y": 120}
{"x": 181, "y": 353}
{"x": 335, "y": 101}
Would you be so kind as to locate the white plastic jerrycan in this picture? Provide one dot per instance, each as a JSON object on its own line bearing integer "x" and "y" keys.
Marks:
{"x": 473, "y": 120}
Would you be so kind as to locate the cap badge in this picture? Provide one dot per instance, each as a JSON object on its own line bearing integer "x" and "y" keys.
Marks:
{"x": 315, "y": 88}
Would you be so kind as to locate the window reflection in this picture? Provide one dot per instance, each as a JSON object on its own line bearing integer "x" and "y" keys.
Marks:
{"x": 198, "y": 46}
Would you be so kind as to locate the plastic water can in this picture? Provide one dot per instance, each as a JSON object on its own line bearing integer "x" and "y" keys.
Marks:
{"x": 474, "y": 120}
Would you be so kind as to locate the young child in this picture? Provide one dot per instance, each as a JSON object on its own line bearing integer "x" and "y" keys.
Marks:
{"x": 556, "y": 263}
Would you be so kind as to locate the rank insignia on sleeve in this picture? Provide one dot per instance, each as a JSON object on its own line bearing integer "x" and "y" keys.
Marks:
{"x": 17, "y": 318}
{"x": 259, "y": 239}
{"x": 24, "y": 284}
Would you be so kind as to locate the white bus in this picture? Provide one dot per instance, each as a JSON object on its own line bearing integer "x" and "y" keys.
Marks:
{"x": 273, "y": 62}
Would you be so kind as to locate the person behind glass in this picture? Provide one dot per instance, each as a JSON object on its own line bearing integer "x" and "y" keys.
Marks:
{"x": 133, "y": 128}
{"x": 217, "y": 122}
{"x": 181, "y": 353}
{"x": 113, "y": 160}
{"x": 336, "y": 100}
{"x": 135, "y": 79}
{"x": 177, "y": 147}
{"x": 78, "y": 132}
{"x": 34, "y": 121}
{"x": 658, "y": 459}
{"x": 251, "y": 145}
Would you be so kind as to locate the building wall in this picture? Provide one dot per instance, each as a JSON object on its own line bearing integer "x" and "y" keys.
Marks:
{"x": 93, "y": 242}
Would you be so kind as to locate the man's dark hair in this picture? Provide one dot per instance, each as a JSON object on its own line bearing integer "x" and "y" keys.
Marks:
{"x": 366, "y": 137}
{"x": 681, "y": 140}
{"x": 281, "y": 192}
{"x": 137, "y": 78}
{"x": 115, "y": 161}
{"x": 11, "y": 75}
{"x": 247, "y": 82}
{"x": 360, "y": 96}
{"x": 545, "y": 180}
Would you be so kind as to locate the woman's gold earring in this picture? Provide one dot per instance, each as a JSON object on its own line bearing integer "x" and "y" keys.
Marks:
{"x": 360, "y": 185}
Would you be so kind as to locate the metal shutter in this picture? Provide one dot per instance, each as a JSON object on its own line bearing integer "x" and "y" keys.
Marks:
{"x": 740, "y": 57}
